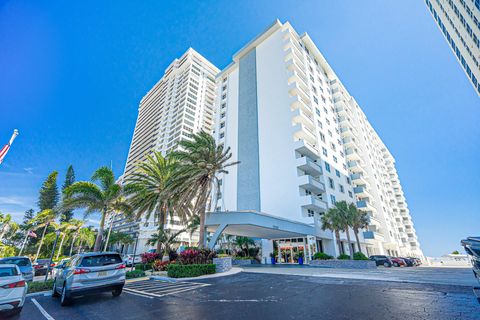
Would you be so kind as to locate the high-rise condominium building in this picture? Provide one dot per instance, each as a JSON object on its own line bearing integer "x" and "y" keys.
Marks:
{"x": 180, "y": 104}
{"x": 459, "y": 21}
{"x": 303, "y": 143}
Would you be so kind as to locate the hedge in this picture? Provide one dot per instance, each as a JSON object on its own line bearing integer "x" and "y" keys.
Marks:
{"x": 143, "y": 266}
{"x": 189, "y": 270}
{"x": 321, "y": 256}
{"x": 359, "y": 256}
{"x": 135, "y": 274}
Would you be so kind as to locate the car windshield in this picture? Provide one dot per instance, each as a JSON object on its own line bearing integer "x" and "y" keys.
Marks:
{"x": 100, "y": 260}
{"x": 21, "y": 262}
{"x": 43, "y": 261}
{"x": 8, "y": 272}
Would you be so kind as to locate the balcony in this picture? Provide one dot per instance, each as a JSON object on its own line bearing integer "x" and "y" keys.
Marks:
{"x": 308, "y": 166}
{"x": 294, "y": 90}
{"x": 313, "y": 203}
{"x": 347, "y": 132}
{"x": 294, "y": 76}
{"x": 302, "y": 117}
{"x": 353, "y": 154}
{"x": 311, "y": 184}
{"x": 301, "y": 131}
{"x": 359, "y": 179}
{"x": 355, "y": 167}
{"x": 373, "y": 219}
{"x": 372, "y": 235}
{"x": 365, "y": 205}
{"x": 361, "y": 191}
{"x": 348, "y": 142}
{"x": 306, "y": 148}
{"x": 298, "y": 103}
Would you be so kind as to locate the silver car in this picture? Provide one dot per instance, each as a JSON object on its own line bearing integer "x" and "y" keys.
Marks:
{"x": 88, "y": 273}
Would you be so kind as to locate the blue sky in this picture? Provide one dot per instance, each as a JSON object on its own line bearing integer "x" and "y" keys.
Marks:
{"x": 71, "y": 78}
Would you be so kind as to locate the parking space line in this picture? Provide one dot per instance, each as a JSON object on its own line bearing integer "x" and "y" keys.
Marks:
{"x": 165, "y": 290}
{"x": 43, "y": 311}
{"x": 138, "y": 294}
{"x": 161, "y": 288}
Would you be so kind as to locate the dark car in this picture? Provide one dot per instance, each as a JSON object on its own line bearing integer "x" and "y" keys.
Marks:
{"x": 472, "y": 247}
{"x": 398, "y": 262}
{"x": 41, "y": 266}
{"x": 381, "y": 260}
{"x": 410, "y": 262}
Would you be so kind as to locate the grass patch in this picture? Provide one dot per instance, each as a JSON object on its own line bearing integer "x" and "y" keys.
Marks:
{"x": 40, "y": 286}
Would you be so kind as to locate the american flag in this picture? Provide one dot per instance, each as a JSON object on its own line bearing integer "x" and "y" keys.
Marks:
{"x": 32, "y": 234}
{"x": 4, "y": 150}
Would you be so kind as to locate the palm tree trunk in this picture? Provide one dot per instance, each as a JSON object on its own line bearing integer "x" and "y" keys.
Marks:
{"x": 98, "y": 241}
{"x": 80, "y": 246}
{"x": 355, "y": 230}
{"x": 339, "y": 242}
{"x": 41, "y": 241}
{"x": 71, "y": 246}
{"x": 4, "y": 230}
{"x": 203, "y": 204}
{"x": 159, "y": 243}
{"x": 109, "y": 232}
{"x": 349, "y": 244}
{"x": 61, "y": 244}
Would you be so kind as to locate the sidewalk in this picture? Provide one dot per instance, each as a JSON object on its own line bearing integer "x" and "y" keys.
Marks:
{"x": 444, "y": 276}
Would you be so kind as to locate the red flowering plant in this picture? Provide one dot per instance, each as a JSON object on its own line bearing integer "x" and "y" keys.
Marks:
{"x": 195, "y": 256}
{"x": 149, "y": 257}
{"x": 159, "y": 265}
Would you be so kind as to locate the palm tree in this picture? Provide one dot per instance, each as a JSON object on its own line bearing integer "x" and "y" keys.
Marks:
{"x": 245, "y": 242}
{"x": 342, "y": 216}
{"x": 167, "y": 237}
{"x": 103, "y": 198}
{"x": 7, "y": 225}
{"x": 358, "y": 219}
{"x": 201, "y": 160}
{"x": 78, "y": 226}
{"x": 43, "y": 219}
{"x": 148, "y": 193}
{"x": 65, "y": 227}
{"x": 86, "y": 236}
{"x": 331, "y": 220}
{"x": 120, "y": 237}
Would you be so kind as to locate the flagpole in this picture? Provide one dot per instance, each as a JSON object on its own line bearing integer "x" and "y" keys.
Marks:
{"x": 4, "y": 150}
{"x": 24, "y": 242}
{"x": 14, "y": 135}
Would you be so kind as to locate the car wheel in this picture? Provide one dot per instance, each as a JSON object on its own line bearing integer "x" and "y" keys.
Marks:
{"x": 117, "y": 292}
{"x": 54, "y": 289}
{"x": 386, "y": 264}
{"x": 64, "y": 299}
{"x": 395, "y": 264}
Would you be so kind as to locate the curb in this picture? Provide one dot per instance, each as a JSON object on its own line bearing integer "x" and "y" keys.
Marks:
{"x": 230, "y": 272}
{"x": 40, "y": 293}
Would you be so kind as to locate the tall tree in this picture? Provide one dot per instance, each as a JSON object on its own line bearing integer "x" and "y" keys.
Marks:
{"x": 201, "y": 161}
{"x": 104, "y": 198}
{"x": 28, "y": 216}
{"x": 332, "y": 221}
{"x": 67, "y": 215}
{"x": 148, "y": 193}
{"x": 48, "y": 198}
{"x": 358, "y": 220}
{"x": 66, "y": 228}
{"x": 43, "y": 220}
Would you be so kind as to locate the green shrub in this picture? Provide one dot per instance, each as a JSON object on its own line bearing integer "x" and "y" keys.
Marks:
{"x": 321, "y": 256}
{"x": 189, "y": 270}
{"x": 143, "y": 266}
{"x": 135, "y": 274}
{"x": 40, "y": 286}
{"x": 343, "y": 256}
{"x": 359, "y": 256}
{"x": 243, "y": 258}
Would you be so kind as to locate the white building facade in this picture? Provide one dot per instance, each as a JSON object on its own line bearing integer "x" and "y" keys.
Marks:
{"x": 180, "y": 104}
{"x": 304, "y": 143}
{"x": 459, "y": 22}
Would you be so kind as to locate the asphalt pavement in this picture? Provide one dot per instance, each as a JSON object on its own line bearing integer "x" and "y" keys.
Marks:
{"x": 267, "y": 296}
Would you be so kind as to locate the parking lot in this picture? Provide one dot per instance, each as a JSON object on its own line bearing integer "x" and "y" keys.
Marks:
{"x": 253, "y": 295}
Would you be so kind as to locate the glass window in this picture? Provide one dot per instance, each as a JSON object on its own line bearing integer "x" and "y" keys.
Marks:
{"x": 337, "y": 173}
{"x": 327, "y": 166}
{"x": 8, "y": 272}
{"x": 21, "y": 262}
{"x": 100, "y": 260}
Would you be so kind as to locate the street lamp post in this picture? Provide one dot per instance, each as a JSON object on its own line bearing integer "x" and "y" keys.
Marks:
{"x": 137, "y": 234}
{"x": 57, "y": 232}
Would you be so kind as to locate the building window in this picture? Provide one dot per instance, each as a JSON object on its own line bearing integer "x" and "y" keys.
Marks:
{"x": 337, "y": 173}
{"x": 335, "y": 159}
{"x": 331, "y": 184}
{"x": 350, "y": 194}
{"x": 325, "y": 152}
{"x": 348, "y": 180}
{"x": 327, "y": 166}
{"x": 342, "y": 189}
{"x": 332, "y": 199}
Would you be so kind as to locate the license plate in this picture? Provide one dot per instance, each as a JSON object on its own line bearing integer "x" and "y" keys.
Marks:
{"x": 102, "y": 273}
